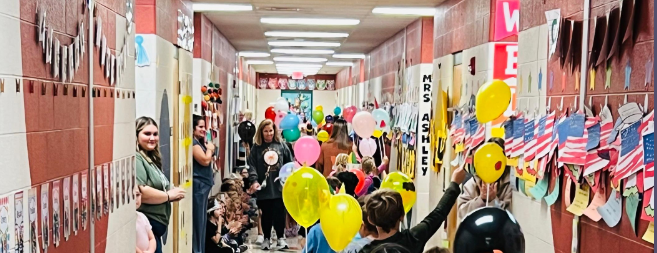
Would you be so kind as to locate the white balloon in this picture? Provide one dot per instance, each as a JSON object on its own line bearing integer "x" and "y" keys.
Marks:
{"x": 282, "y": 105}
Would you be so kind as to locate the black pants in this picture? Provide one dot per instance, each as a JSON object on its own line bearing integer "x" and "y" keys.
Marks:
{"x": 273, "y": 214}
{"x": 159, "y": 230}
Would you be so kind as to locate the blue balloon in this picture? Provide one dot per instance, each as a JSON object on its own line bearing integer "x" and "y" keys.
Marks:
{"x": 382, "y": 118}
{"x": 290, "y": 121}
{"x": 285, "y": 172}
{"x": 337, "y": 111}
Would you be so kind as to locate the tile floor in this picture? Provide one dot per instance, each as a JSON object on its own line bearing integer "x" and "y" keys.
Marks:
{"x": 292, "y": 242}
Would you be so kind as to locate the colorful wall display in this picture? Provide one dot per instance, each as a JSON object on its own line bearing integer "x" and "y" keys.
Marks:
{"x": 283, "y": 82}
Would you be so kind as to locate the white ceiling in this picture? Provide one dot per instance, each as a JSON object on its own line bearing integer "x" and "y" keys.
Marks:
{"x": 246, "y": 33}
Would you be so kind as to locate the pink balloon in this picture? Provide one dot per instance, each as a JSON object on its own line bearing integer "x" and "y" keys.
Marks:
{"x": 349, "y": 113}
{"x": 279, "y": 117}
{"x": 367, "y": 147}
{"x": 364, "y": 124}
{"x": 306, "y": 150}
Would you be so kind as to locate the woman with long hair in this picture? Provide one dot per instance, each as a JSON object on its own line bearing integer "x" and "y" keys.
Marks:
{"x": 266, "y": 158}
{"x": 157, "y": 192}
{"x": 203, "y": 152}
{"x": 339, "y": 143}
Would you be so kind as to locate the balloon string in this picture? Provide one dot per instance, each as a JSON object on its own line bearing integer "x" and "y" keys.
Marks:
{"x": 380, "y": 150}
{"x": 487, "y": 194}
{"x": 305, "y": 247}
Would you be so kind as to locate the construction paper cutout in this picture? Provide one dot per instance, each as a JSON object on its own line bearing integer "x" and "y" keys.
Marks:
{"x": 629, "y": 114}
{"x": 564, "y": 41}
{"x": 577, "y": 81}
{"x": 553, "y": 18}
{"x": 649, "y": 148}
{"x": 508, "y": 137}
{"x": 540, "y": 189}
{"x": 540, "y": 79}
{"x": 608, "y": 77}
{"x": 518, "y": 137}
{"x": 529, "y": 185}
{"x": 520, "y": 83}
{"x": 529, "y": 140}
{"x": 613, "y": 19}
{"x": 592, "y": 79}
{"x": 581, "y": 200}
{"x": 649, "y": 68}
{"x": 574, "y": 56}
{"x": 649, "y": 236}
{"x": 529, "y": 86}
{"x": 598, "y": 38}
{"x": 648, "y": 206}
{"x": 594, "y": 163}
{"x": 521, "y": 186}
{"x": 629, "y": 28}
{"x": 649, "y": 176}
{"x": 563, "y": 81}
{"x": 551, "y": 79}
{"x": 630, "y": 160}
{"x": 593, "y": 137}
{"x": 629, "y": 138}
{"x": 598, "y": 200}
{"x": 514, "y": 181}
{"x": 631, "y": 206}
{"x": 551, "y": 198}
{"x": 611, "y": 211}
{"x": 567, "y": 200}
{"x": 625, "y": 15}
{"x": 628, "y": 72}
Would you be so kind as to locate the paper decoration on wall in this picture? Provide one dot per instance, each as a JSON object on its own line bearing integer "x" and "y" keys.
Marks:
{"x": 577, "y": 81}
{"x": 19, "y": 226}
{"x": 581, "y": 200}
{"x": 48, "y": 46}
{"x": 129, "y": 15}
{"x": 99, "y": 192}
{"x": 530, "y": 140}
{"x": 564, "y": 41}
{"x": 540, "y": 189}
{"x": 598, "y": 201}
{"x": 32, "y": 216}
{"x": 75, "y": 192}
{"x": 84, "y": 211}
{"x": 330, "y": 84}
{"x": 185, "y": 32}
{"x": 649, "y": 68}
{"x": 611, "y": 211}
{"x": 592, "y": 79}
{"x": 518, "y": 137}
{"x": 631, "y": 206}
{"x": 321, "y": 84}
{"x": 598, "y": 38}
{"x": 123, "y": 184}
{"x": 5, "y": 237}
{"x": 55, "y": 60}
{"x": 310, "y": 83}
{"x": 45, "y": 216}
{"x": 301, "y": 84}
{"x": 106, "y": 189}
{"x": 648, "y": 206}
{"x": 630, "y": 160}
{"x": 649, "y": 236}
{"x": 273, "y": 83}
{"x": 116, "y": 183}
{"x": 56, "y": 216}
{"x": 574, "y": 54}
{"x": 626, "y": 11}
{"x": 551, "y": 79}
{"x": 282, "y": 83}
{"x": 292, "y": 84}
{"x": 67, "y": 208}
{"x": 628, "y": 72}
{"x": 519, "y": 84}
{"x": 613, "y": 20}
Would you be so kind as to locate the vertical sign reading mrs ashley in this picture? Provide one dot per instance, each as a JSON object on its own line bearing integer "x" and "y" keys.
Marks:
{"x": 424, "y": 111}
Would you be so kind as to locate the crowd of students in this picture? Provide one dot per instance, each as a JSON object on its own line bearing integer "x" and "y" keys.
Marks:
{"x": 253, "y": 198}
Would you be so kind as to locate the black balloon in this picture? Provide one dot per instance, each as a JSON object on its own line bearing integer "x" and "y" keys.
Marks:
{"x": 246, "y": 130}
{"x": 487, "y": 229}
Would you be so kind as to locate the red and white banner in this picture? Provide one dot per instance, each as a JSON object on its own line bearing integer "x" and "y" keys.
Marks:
{"x": 507, "y": 19}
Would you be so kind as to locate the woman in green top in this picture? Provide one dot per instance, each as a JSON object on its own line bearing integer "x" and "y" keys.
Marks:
{"x": 157, "y": 193}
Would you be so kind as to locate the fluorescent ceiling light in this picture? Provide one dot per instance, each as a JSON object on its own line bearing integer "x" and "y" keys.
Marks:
{"x": 299, "y": 59}
{"x": 254, "y": 54}
{"x": 306, "y": 34}
{"x": 299, "y": 65}
{"x": 349, "y": 56}
{"x": 298, "y": 69}
{"x": 415, "y": 11}
{"x": 340, "y": 63}
{"x": 255, "y": 62}
{"x": 302, "y": 51}
{"x": 292, "y": 43}
{"x": 221, "y": 7}
{"x": 310, "y": 21}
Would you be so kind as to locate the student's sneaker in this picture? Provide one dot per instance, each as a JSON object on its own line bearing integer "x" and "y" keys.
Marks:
{"x": 265, "y": 245}
{"x": 282, "y": 244}
{"x": 261, "y": 239}
{"x": 243, "y": 248}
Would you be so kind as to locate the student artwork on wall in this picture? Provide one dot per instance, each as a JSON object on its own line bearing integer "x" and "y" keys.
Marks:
{"x": 123, "y": 198}
{"x": 276, "y": 83}
{"x": 106, "y": 189}
{"x": 115, "y": 184}
{"x": 19, "y": 226}
{"x": 75, "y": 192}
{"x": 67, "y": 207}
{"x": 34, "y": 225}
{"x": 56, "y": 218}
{"x": 4, "y": 224}
{"x": 84, "y": 211}
{"x": 99, "y": 192}
{"x": 45, "y": 216}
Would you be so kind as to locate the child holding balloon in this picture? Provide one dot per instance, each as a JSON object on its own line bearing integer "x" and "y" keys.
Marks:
{"x": 372, "y": 180}
{"x": 385, "y": 209}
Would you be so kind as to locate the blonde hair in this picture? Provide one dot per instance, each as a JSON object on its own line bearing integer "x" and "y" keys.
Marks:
{"x": 248, "y": 114}
{"x": 367, "y": 165}
{"x": 154, "y": 155}
{"x": 258, "y": 140}
{"x": 341, "y": 162}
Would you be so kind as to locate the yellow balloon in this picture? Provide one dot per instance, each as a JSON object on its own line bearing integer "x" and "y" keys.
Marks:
{"x": 304, "y": 193}
{"x": 402, "y": 184}
{"x": 377, "y": 133}
{"x": 322, "y": 136}
{"x": 319, "y": 108}
{"x": 206, "y": 97}
{"x": 340, "y": 220}
{"x": 489, "y": 162}
{"x": 493, "y": 99}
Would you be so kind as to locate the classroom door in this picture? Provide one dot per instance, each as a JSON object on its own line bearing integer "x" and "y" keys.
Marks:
{"x": 452, "y": 219}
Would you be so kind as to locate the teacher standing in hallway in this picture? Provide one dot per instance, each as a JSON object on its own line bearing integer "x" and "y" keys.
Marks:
{"x": 203, "y": 180}
{"x": 157, "y": 192}
{"x": 266, "y": 158}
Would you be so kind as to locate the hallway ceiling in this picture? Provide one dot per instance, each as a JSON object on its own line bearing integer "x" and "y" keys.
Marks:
{"x": 245, "y": 31}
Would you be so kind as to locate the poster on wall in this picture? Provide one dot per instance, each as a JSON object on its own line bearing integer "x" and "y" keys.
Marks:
{"x": 56, "y": 218}
{"x": 308, "y": 83}
{"x": 67, "y": 208}
{"x": 116, "y": 183}
{"x": 301, "y": 103}
{"x": 99, "y": 192}
{"x": 34, "y": 226}
{"x": 45, "y": 217}
{"x": 19, "y": 226}
{"x": 4, "y": 224}
{"x": 106, "y": 189}
{"x": 76, "y": 203}
{"x": 84, "y": 210}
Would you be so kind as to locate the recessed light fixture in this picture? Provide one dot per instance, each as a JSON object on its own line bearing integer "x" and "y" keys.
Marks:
{"x": 299, "y": 59}
{"x": 298, "y": 65}
{"x": 306, "y": 34}
{"x": 349, "y": 56}
{"x": 258, "y": 62}
{"x": 254, "y": 54}
{"x": 310, "y": 21}
{"x": 301, "y": 51}
{"x": 198, "y": 7}
{"x": 340, "y": 63}
{"x": 413, "y": 11}
{"x": 292, "y": 43}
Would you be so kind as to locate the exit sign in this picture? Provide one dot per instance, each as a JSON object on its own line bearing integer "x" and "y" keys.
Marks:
{"x": 297, "y": 75}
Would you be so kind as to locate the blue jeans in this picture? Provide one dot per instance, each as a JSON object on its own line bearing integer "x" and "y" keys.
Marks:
{"x": 159, "y": 230}
{"x": 199, "y": 215}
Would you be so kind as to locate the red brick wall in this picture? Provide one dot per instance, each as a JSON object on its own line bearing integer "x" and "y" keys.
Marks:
{"x": 460, "y": 24}
{"x": 343, "y": 78}
{"x": 159, "y": 16}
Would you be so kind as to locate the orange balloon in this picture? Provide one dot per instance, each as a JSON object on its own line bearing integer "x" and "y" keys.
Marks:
{"x": 361, "y": 178}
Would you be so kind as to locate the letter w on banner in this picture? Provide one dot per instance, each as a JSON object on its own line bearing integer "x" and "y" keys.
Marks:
{"x": 507, "y": 18}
